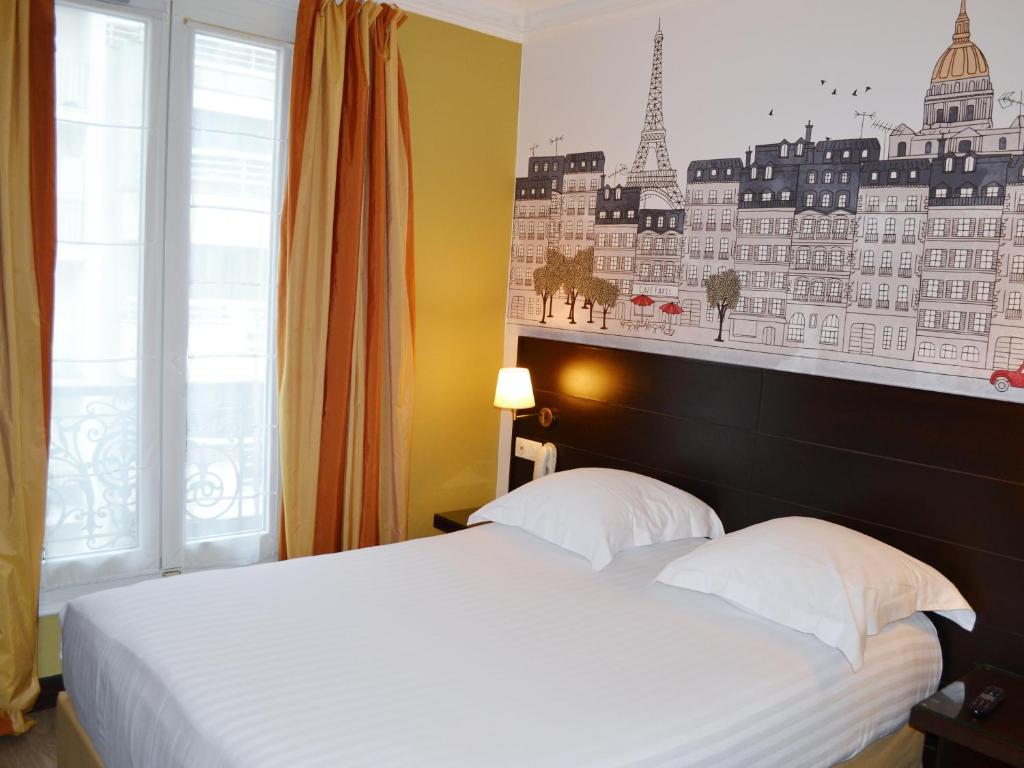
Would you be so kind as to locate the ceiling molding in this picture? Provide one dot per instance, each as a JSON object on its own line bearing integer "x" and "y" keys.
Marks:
{"x": 511, "y": 20}
{"x": 473, "y": 14}
{"x": 573, "y": 11}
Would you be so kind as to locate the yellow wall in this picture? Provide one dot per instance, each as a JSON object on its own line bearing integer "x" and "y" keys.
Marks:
{"x": 463, "y": 103}
{"x": 464, "y": 97}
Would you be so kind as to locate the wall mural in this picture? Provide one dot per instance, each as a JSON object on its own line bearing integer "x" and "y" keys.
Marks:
{"x": 878, "y": 256}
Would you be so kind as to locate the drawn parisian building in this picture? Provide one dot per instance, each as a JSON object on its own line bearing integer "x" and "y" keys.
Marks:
{"x": 615, "y": 241}
{"x": 535, "y": 227}
{"x": 659, "y": 241}
{"x": 888, "y": 255}
{"x": 555, "y": 208}
{"x": 764, "y": 239}
{"x": 1007, "y": 337}
{"x": 582, "y": 177}
{"x": 823, "y": 254}
{"x": 709, "y": 237}
{"x": 961, "y": 258}
{"x": 915, "y": 261}
{"x": 959, "y": 105}
{"x": 660, "y": 184}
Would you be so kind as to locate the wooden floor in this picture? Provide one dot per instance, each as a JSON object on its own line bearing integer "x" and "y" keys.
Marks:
{"x": 37, "y": 748}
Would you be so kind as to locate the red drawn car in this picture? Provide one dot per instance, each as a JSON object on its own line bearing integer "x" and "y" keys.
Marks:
{"x": 1003, "y": 380}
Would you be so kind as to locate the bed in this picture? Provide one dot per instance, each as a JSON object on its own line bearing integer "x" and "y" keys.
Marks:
{"x": 491, "y": 647}
{"x": 485, "y": 647}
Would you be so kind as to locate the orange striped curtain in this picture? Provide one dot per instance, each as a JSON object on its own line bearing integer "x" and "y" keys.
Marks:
{"x": 28, "y": 244}
{"x": 345, "y": 312}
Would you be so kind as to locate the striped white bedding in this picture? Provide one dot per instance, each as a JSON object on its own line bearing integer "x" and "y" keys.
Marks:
{"x": 482, "y": 648}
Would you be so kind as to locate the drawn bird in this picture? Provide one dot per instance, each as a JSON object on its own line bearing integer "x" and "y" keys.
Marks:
{"x": 824, "y": 81}
{"x": 867, "y": 89}
{"x": 855, "y": 91}
{"x": 835, "y": 91}
{"x": 771, "y": 112}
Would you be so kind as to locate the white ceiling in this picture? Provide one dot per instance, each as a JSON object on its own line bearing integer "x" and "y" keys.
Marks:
{"x": 513, "y": 19}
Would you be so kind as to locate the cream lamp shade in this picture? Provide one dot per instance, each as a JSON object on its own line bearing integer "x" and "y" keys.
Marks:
{"x": 514, "y": 389}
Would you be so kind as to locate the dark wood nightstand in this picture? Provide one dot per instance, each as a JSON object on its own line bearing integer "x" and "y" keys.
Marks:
{"x": 997, "y": 740}
{"x": 454, "y": 520}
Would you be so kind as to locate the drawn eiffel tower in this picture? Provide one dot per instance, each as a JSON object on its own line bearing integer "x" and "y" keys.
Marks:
{"x": 662, "y": 182}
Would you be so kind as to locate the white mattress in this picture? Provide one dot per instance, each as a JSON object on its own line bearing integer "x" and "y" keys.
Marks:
{"x": 487, "y": 647}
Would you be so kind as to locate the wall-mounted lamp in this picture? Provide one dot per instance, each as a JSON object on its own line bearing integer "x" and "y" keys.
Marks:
{"x": 515, "y": 391}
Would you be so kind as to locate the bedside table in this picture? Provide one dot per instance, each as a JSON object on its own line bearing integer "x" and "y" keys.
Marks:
{"x": 997, "y": 740}
{"x": 454, "y": 520}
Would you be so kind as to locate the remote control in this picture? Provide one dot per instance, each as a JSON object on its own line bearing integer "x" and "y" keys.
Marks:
{"x": 986, "y": 701}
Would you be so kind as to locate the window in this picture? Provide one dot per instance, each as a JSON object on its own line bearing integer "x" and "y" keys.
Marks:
{"x": 932, "y": 289}
{"x": 950, "y": 164}
{"x": 826, "y": 199}
{"x": 830, "y": 330}
{"x": 844, "y": 177}
{"x": 930, "y": 318}
{"x": 965, "y": 146}
{"x": 928, "y": 147}
{"x": 948, "y": 352}
{"x": 812, "y": 177}
{"x": 887, "y": 337}
{"x": 926, "y": 349}
{"x": 809, "y": 200}
{"x": 970, "y": 355}
{"x": 784, "y": 150}
{"x": 826, "y": 177}
{"x": 753, "y": 172}
{"x": 1002, "y": 143}
{"x": 795, "y": 330}
{"x": 206, "y": 362}
{"x": 901, "y": 149}
{"x": 901, "y": 343}
{"x": 843, "y": 200}
{"x": 769, "y": 172}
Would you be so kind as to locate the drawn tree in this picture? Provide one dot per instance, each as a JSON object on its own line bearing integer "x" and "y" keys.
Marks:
{"x": 548, "y": 279}
{"x": 589, "y": 291}
{"x": 605, "y": 294}
{"x": 579, "y": 270}
{"x": 723, "y": 290}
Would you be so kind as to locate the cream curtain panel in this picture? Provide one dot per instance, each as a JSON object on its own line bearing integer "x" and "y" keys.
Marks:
{"x": 345, "y": 314}
{"x": 28, "y": 239}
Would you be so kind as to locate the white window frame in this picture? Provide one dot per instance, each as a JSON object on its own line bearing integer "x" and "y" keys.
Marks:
{"x": 171, "y": 27}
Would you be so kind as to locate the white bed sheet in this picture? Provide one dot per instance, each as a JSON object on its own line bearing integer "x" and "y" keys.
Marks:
{"x": 487, "y": 647}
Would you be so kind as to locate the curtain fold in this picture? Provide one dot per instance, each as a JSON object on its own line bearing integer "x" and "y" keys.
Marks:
{"x": 28, "y": 243}
{"x": 345, "y": 324}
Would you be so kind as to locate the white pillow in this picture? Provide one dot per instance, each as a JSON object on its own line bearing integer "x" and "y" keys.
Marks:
{"x": 599, "y": 512}
{"x": 834, "y": 583}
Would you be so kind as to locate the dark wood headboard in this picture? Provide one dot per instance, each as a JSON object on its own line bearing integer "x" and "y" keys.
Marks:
{"x": 939, "y": 476}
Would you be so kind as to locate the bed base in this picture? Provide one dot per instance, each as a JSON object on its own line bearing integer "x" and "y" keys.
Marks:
{"x": 901, "y": 749}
